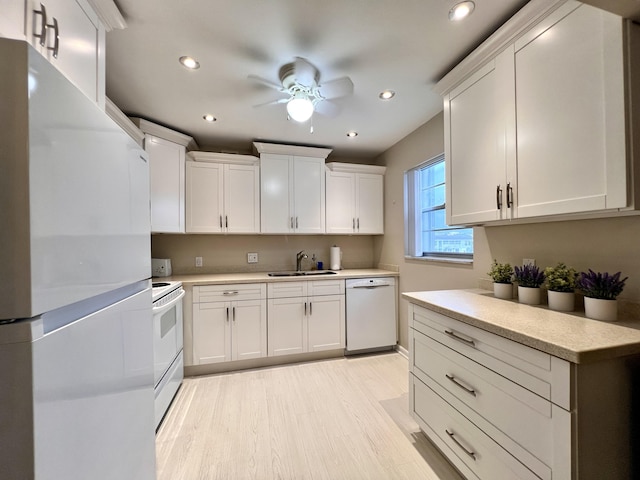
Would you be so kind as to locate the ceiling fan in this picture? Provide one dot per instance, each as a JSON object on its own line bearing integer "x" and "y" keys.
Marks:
{"x": 300, "y": 80}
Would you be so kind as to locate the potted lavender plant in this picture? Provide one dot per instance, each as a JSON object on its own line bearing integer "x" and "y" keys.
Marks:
{"x": 501, "y": 274}
{"x": 561, "y": 283}
{"x": 529, "y": 279}
{"x": 600, "y": 292}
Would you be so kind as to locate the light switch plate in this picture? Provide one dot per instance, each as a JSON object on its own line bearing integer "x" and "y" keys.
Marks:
{"x": 252, "y": 258}
{"x": 529, "y": 261}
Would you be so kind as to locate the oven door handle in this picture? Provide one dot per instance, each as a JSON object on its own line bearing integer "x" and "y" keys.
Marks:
{"x": 164, "y": 308}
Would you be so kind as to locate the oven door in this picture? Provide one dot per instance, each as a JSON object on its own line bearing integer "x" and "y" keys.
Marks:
{"x": 167, "y": 335}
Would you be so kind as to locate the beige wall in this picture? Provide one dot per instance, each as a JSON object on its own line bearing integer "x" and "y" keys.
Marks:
{"x": 611, "y": 244}
{"x": 228, "y": 253}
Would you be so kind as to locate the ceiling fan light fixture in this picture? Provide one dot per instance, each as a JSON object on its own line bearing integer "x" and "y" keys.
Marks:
{"x": 461, "y": 10}
{"x": 386, "y": 95}
{"x": 209, "y": 118}
{"x": 189, "y": 62}
{"x": 300, "y": 108}
{"x": 352, "y": 134}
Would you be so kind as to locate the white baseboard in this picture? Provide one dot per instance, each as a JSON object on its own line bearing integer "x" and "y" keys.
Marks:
{"x": 402, "y": 351}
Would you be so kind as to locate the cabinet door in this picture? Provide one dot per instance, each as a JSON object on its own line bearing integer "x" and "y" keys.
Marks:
{"x": 81, "y": 38}
{"x": 211, "y": 332}
{"x": 166, "y": 169}
{"x": 480, "y": 144}
{"x": 570, "y": 113}
{"x": 369, "y": 203}
{"x": 326, "y": 319}
{"x": 341, "y": 201}
{"x": 242, "y": 198}
{"x": 308, "y": 181}
{"x": 12, "y": 19}
{"x": 287, "y": 326}
{"x": 249, "y": 329}
{"x": 204, "y": 196}
{"x": 275, "y": 194}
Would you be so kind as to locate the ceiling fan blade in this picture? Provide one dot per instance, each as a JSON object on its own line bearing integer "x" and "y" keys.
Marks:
{"x": 266, "y": 82}
{"x": 327, "y": 108}
{"x": 305, "y": 73}
{"x": 340, "y": 87}
{"x": 274, "y": 102}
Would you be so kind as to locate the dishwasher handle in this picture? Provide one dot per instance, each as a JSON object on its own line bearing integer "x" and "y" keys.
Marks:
{"x": 372, "y": 286}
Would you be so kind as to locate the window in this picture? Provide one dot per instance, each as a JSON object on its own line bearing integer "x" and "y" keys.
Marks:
{"x": 426, "y": 231}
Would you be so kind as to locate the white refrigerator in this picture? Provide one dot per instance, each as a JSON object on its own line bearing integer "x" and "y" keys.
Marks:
{"x": 76, "y": 352}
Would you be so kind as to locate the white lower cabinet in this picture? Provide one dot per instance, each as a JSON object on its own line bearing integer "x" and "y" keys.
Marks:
{"x": 306, "y": 316}
{"x": 229, "y": 323}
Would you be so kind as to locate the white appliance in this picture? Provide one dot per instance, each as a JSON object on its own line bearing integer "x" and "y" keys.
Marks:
{"x": 167, "y": 344}
{"x": 371, "y": 314}
{"x": 76, "y": 340}
{"x": 161, "y": 267}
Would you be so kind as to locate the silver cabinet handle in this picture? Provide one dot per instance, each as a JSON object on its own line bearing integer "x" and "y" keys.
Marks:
{"x": 291, "y": 222}
{"x": 227, "y": 314}
{"x": 457, "y": 336}
{"x": 305, "y": 308}
{"x": 358, "y": 223}
{"x": 226, "y": 222}
{"x": 231, "y": 292}
{"x": 353, "y": 223}
{"x": 220, "y": 221}
{"x": 310, "y": 308}
{"x": 43, "y": 29}
{"x": 56, "y": 38}
{"x": 498, "y": 198}
{"x": 457, "y": 382}
{"x": 233, "y": 312}
{"x": 509, "y": 195}
{"x": 464, "y": 449}
{"x": 296, "y": 222}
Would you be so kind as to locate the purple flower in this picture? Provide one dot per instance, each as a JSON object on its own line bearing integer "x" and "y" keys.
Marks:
{"x": 601, "y": 285}
{"x": 528, "y": 276}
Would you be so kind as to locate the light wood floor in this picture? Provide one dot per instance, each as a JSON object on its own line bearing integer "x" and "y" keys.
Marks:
{"x": 336, "y": 419}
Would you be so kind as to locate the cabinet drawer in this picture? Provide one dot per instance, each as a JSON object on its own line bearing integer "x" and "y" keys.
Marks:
{"x": 475, "y": 454}
{"x": 537, "y": 371}
{"x": 533, "y": 429}
{"x": 287, "y": 289}
{"x": 223, "y": 293}
{"x": 325, "y": 287}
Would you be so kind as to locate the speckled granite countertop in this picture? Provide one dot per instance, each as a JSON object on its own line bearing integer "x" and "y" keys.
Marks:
{"x": 257, "y": 277}
{"x": 569, "y": 336}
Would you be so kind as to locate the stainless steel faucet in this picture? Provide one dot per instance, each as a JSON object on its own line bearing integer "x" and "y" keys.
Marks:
{"x": 299, "y": 256}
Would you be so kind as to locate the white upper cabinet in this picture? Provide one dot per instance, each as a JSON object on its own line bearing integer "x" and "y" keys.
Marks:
{"x": 536, "y": 120}
{"x": 223, "y": 193}
{"x": 480, "y": 162}
{"x": 571, "y": 113}
{"x": 167, "y": 150}
{"x": 69, "y": 33}
{"x": 292, "y": 188}
{"x": 355, "y": 200}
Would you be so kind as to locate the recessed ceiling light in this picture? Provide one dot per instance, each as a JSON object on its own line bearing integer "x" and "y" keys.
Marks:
{"x": 209, "y": 118}
{"x": 461, "y": 10}
{"x": 189, "y": 62}
{"x": 352, "y": 134}
{"x": 387, "y": 95}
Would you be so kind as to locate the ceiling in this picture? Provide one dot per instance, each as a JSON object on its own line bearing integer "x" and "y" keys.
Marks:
{"x": 406, "y": 46}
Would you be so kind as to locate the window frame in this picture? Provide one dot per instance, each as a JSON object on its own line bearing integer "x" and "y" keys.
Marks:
{"x": 413, "y": 218}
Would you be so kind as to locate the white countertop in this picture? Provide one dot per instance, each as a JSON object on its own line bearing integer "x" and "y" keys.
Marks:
{"x": 258, "y": 277}
{"x": 569, "y": 336}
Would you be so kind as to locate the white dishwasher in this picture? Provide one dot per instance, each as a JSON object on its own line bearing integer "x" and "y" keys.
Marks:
{"x": 371, "y": 314}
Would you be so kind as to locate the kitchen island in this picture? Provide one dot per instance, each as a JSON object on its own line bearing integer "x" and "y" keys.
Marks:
{"x": 507, "y": 390}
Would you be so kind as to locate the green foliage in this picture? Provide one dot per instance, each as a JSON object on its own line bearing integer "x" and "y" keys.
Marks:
{"x": 561, "y": 278}
{"x": 501, "y": 272}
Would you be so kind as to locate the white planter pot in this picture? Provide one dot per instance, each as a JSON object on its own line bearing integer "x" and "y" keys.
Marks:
{"x": 529, "y": 295}
{"x": 503, "y": 290}
{"x": 600, "y": 309}
{"x": 561, "y": 301}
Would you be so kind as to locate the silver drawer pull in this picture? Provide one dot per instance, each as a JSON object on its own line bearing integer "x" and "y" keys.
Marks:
{"x": 460, "y": 338}
{"x": 470, "y": 391}
{"x": 231, "y": 292}
{"x": 464, "y": 449}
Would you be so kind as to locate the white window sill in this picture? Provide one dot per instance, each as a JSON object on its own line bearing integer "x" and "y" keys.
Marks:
{"x": 457, "y": 261}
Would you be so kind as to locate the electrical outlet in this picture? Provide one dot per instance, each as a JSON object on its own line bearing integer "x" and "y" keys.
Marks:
{"x": 529, "y": 261}
{"x": 252, "y": 258}
{"x": 198, "y": 261}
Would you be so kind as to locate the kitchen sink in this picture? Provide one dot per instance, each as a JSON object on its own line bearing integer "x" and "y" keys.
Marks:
{"x": 301, "y": 274}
